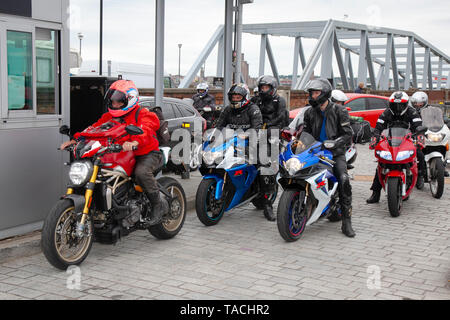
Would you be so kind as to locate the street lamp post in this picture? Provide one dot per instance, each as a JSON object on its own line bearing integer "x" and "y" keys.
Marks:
{"x": 80, "y": 36}
{"x": 179, "y": 62}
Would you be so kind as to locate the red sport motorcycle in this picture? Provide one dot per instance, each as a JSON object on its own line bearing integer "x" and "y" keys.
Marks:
{"x": 103, "y": 203}
{"x": 397, "y": 164}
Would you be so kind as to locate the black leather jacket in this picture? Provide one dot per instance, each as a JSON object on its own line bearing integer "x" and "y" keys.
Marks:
{"x": 207, "y": 100}
{"x": 243, "y": 118}
{"x": 410, "y": 120}
{"x": 274, "y": 112}
{"x": 337, "y": 125}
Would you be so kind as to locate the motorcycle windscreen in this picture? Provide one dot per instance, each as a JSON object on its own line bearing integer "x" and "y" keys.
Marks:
{"x": 304, "y": 142}
{"x": 396, "y": 135}
{"x": 432, "y": 118}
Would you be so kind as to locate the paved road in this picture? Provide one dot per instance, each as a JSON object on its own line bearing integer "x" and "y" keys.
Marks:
{"x": 243, "y": 257}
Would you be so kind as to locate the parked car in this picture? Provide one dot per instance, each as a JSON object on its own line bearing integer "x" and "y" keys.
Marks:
{"x": 179, "y": 114}
{"x": 367, "y": 106}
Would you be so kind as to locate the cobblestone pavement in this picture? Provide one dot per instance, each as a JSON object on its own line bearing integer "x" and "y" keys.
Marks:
{"x": 244, "y": 257}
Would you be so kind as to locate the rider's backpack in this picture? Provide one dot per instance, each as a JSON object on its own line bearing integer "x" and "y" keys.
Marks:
{"x": 362, "y": 131}
{"x": 162, "y": 134}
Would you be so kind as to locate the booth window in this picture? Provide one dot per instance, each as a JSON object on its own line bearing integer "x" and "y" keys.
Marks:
{"x": 47, "y": 79}
{"x": 20, "y": 70}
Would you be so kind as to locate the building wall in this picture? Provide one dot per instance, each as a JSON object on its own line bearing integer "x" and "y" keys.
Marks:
{"x": 33, "y": 175}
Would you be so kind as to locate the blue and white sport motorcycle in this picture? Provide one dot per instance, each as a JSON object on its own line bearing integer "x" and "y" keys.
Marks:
{"x": 229, "y": 181}
{"x": 309, "y": 186}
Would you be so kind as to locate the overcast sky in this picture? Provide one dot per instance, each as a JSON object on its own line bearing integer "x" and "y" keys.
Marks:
{"x": 129, "y": 27}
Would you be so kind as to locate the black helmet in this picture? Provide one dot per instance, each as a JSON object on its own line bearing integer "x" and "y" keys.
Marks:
{"x": 322, "y": 85}
{"x": 242, "y": 90}
{"x": 398, "y": 103}
{"x": 270, "y": 81}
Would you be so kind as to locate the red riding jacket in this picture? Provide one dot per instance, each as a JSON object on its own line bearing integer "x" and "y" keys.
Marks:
{"x": 147, "y": 121}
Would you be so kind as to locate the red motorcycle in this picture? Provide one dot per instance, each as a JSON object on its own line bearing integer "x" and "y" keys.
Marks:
{"x": 397, "y": 164}
{"x": 103, "y": 203}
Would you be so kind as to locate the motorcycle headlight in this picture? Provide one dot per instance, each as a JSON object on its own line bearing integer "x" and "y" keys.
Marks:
{"x": 386, "y": 155}
{"x": 210, "y": 157}
{"x": 403, "y": 155}
{"x": 435, "y": 137}
{"x": 80, "y": 173}
{"x": 294, "y": 165}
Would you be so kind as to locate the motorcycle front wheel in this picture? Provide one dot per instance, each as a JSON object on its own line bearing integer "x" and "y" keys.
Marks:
{"x": 437, "y": 179}
{"x": 292, "y": 214}
{"x": 59, "y": 242}
{"x": 394, "y": 196}
{"x": 172, "y": 222}
{"x": 209, "y": 209}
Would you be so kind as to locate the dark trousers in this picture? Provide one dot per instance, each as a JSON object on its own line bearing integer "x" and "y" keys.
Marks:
{"x": 376, "y": 184}
{"x": 344, "y": 189}
{"x": 146, "y": 165}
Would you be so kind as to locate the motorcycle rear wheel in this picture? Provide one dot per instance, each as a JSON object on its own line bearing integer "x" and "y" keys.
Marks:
{"x": 292, "y": 214}
{"x": 60, "y": 245}
{"x": 170, "y": 227}
{"x": 209, "y": 209}
{"x": 437, "y": 180}
{"x": 394, "y": 196}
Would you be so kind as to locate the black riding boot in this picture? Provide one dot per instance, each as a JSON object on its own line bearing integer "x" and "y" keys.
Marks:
{"x": 347, "y": 223}
{"x": 375, "y": 197}
{"x": 159, "y": 207}
{"x": 268, "y": 212}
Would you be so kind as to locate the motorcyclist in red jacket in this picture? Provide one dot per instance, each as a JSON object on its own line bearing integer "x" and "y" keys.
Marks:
{"x": 122, "y": 102}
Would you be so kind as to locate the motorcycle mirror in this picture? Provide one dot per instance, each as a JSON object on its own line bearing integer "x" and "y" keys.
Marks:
{"x": 133, "y": 130}
{"x": 64, "y": 130}
{"x": 421, "y": 129}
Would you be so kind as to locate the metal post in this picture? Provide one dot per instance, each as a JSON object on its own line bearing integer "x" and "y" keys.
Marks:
{"x": 101, "y": 39}
{"x": 426, "y": 69}
{"x": 409, "y": 57}
{"x": 327, "y": 58}
{"x": 262, "y": 54}
{"x": 387, "y": 64}
{"x": 159, "y": 52}
{"x": 179, "y": 62}
{"x": 349, "y": 69}
{"x": 362, "y": 68}
{"x": 394, "y": 66}
{"x": 109, "y": 68}
{"x": 295, "y": 69}
{"x": 238, "y": 47}
{"x": 340, "y": 61}
{"x": 228, "y": 41}
{"x": 220, "y": 49}
{"x": 439, "y": 81}
{"x": 273, "y": 65}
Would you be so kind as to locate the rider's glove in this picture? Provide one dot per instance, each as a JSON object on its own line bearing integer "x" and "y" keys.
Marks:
{"x": 373, "y": 142}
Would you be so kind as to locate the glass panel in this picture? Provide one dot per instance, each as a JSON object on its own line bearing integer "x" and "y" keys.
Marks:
{"x": 376, "y": 103}
{"x": 46, "y": 71}
{"x": 432, "y": 118}
{"x": 168, "y": 111}
{"x": 185, "y": 111}
{"x": 20, "y": 70}
{"x": 357, "y": 105}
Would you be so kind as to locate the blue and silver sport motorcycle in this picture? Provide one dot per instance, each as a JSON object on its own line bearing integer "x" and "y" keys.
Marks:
{"x": 309, "y": 186}
{"x": 229, "y": 180}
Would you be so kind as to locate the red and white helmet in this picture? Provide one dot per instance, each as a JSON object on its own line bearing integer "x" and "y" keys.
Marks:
{"x": 398, "y": 103}
{"x": 125, "y": 92}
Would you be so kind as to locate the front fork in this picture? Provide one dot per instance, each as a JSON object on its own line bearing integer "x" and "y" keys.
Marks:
{"x": 88, "y": 200}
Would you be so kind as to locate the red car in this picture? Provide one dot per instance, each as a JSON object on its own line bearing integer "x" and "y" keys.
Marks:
{"x": 368, "y": 106}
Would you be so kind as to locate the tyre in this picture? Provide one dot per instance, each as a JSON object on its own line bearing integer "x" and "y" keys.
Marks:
{"x": 209, "y": 209}
{"x": 394, "y": 196}
{"x": 172, "y": 222}
{"x": 292, "y": 215}
{"x": 437, "y": 180}
{"x": 258, "y": 202}
{"x": 59, "y": 242}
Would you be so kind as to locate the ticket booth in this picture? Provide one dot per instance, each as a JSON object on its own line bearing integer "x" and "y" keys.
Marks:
{"x": 34, "y": 103}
